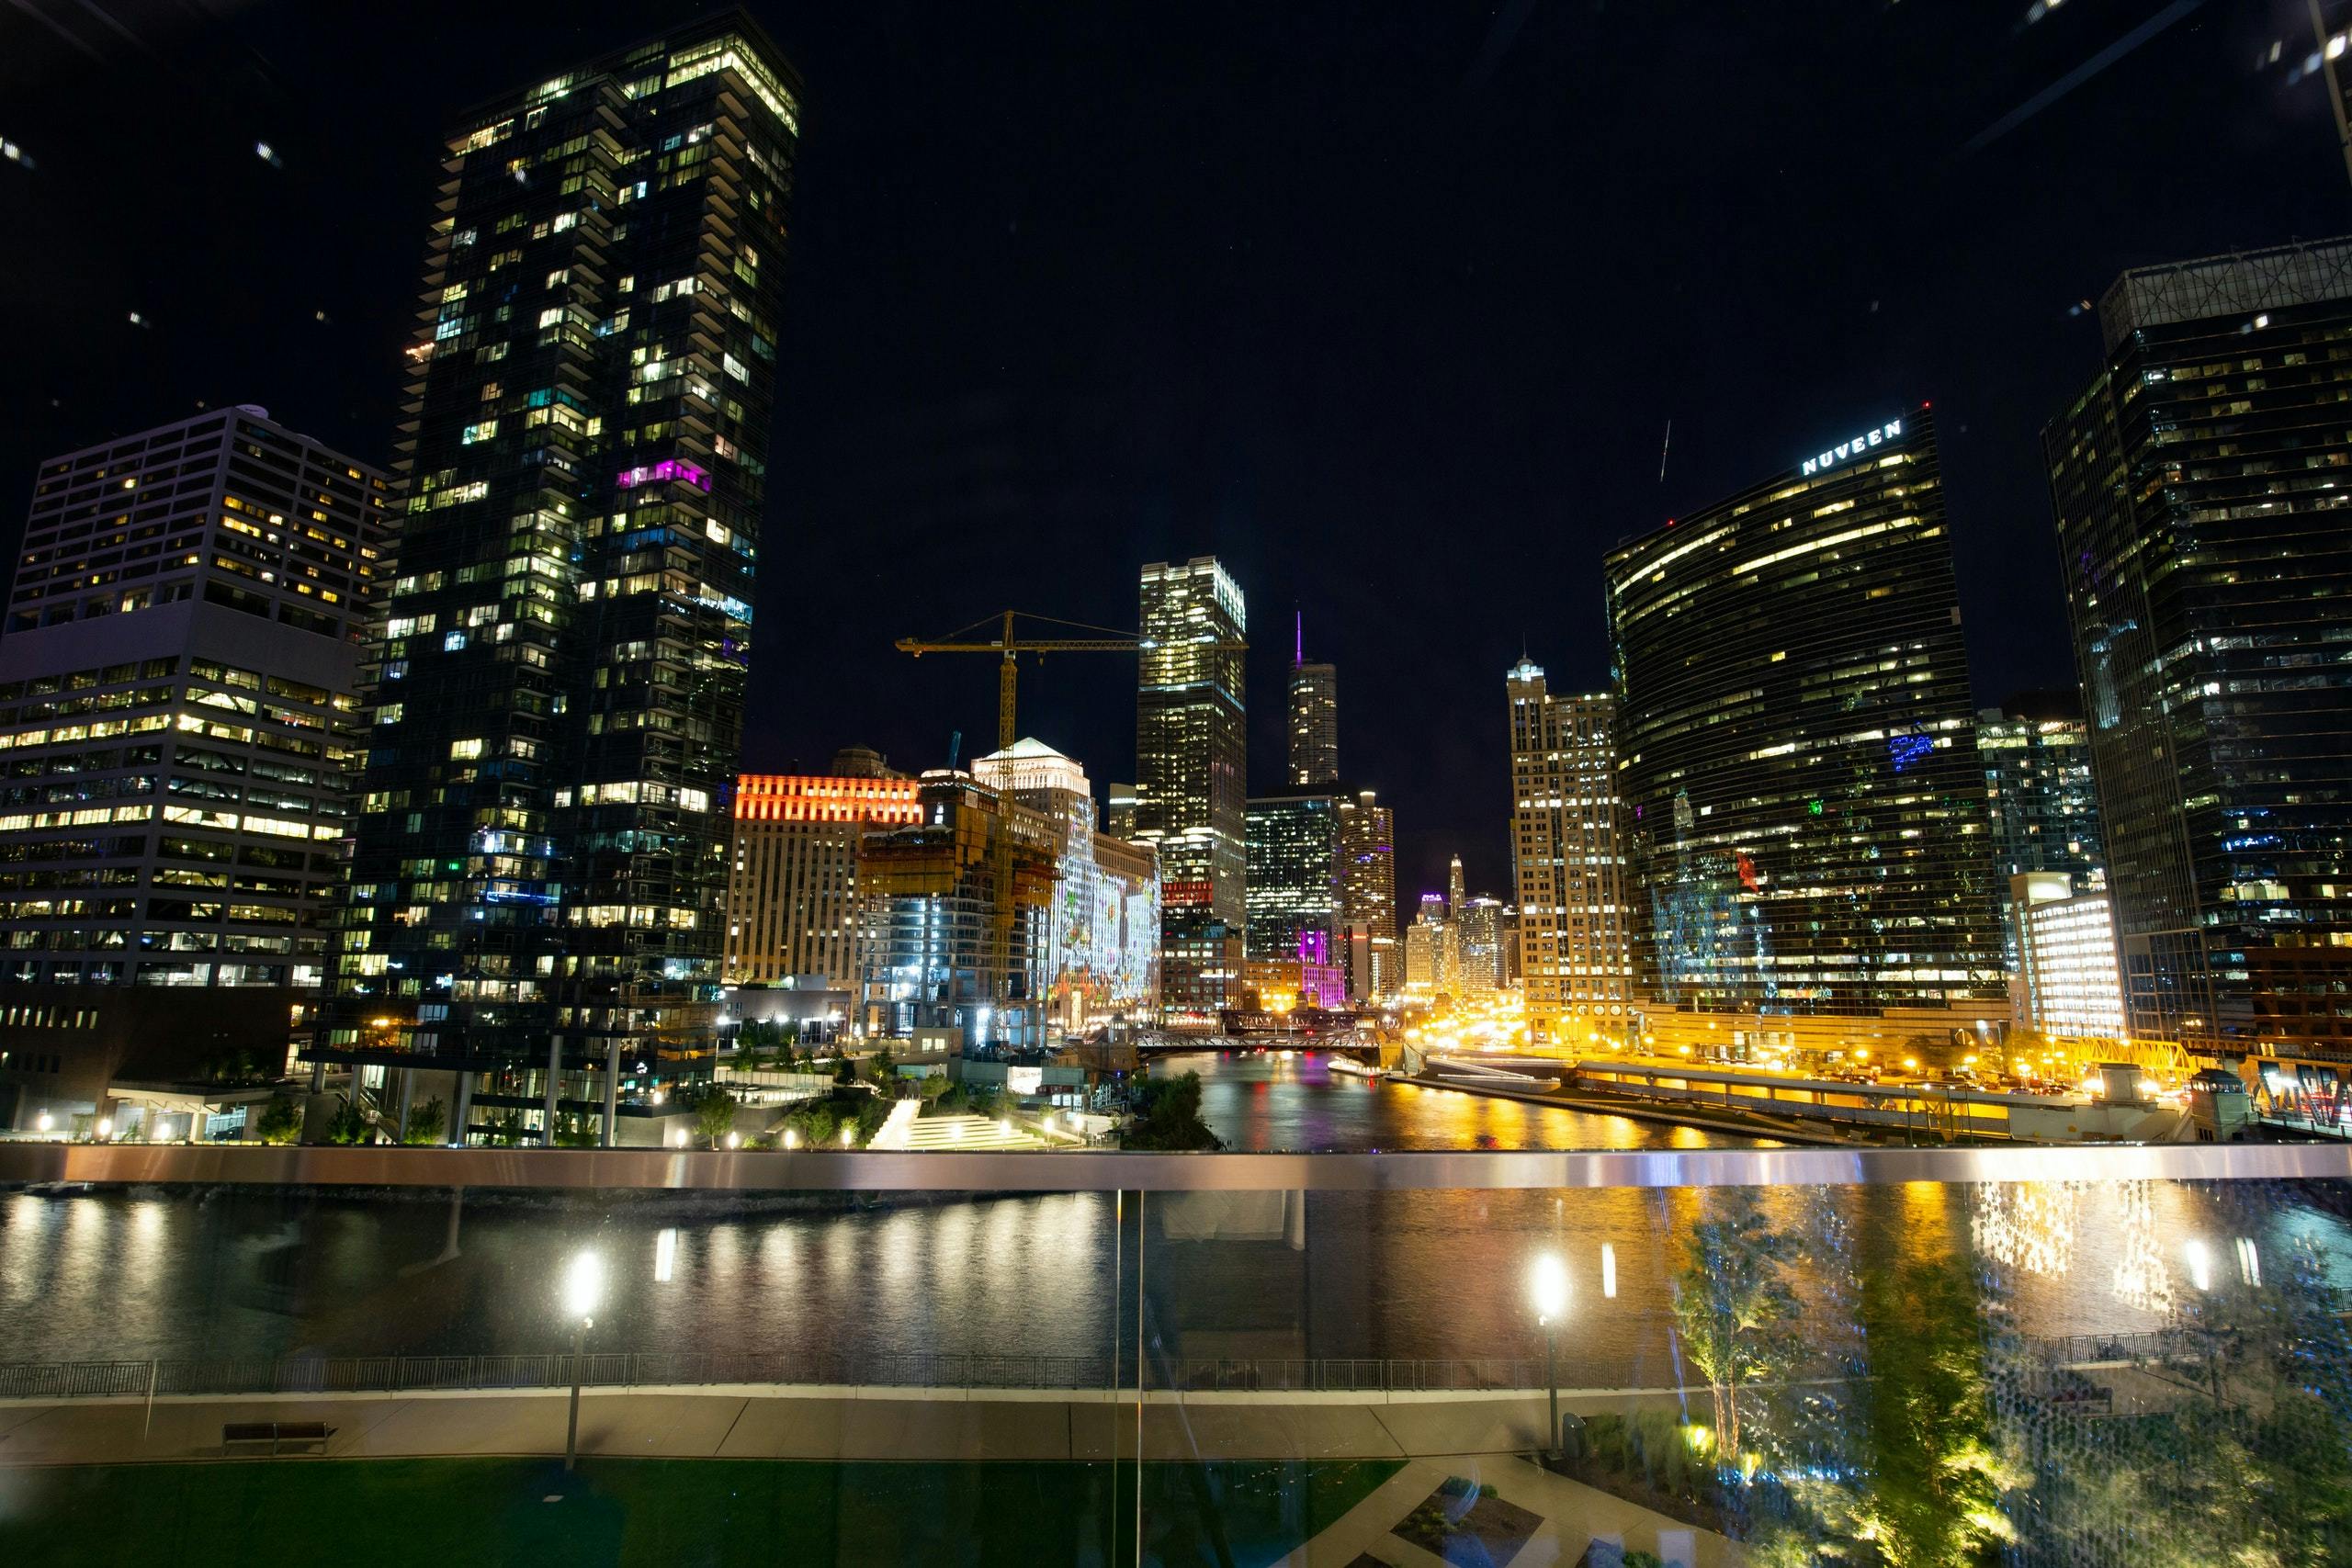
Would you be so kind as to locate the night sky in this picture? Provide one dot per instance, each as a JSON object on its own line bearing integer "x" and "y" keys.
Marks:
{"x": 1389, "y": 307}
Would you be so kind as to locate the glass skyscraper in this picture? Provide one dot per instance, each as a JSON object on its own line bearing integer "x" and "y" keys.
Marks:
{"x": 1294, "y": 892}
{"x": 1799, "y": 793}
{"x": 2043, "y": 808}
{"x": 2203, "y": 491}
{"x": 1192, "y": 780}
{"x": 537, "y": 891}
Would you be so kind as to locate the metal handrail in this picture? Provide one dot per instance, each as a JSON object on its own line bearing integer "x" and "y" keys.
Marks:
{"x": 1063, "y": 1170}
{"x": 398, "y": 1374}
{"x": 328, "y": 1375}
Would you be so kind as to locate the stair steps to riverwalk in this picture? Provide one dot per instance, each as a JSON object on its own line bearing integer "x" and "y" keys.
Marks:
{"x": 968, "y": 1133}
{"x": 892, "y": 1134}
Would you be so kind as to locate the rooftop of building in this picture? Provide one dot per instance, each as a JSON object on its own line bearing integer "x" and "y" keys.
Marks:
{"x": 614, "y": 62}
{"x": 224, "y": 416}
{"x": 1832, "y": 465}
{"x": 2306, "y": 272}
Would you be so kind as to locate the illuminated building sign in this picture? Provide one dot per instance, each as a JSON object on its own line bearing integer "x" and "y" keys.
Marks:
{"x": 1197, "y": 895}
{"x": 1892, "y": 430}
{"x": 1908, "y": 749}
{"x": 826, "y": 798}
{"x": 669, "y": 469}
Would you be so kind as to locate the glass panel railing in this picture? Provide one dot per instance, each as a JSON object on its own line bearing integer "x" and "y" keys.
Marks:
{"x": 1709, "y": 1357}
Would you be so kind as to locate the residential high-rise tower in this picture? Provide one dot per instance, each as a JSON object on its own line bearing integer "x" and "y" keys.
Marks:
{"x": 1479, "y": 938}
{"x": 542, "y": 853}
{"x": 1367, "y": 849}
{"x": 1568, "y": 867}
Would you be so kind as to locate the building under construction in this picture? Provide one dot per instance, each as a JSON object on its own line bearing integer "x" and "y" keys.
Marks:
{"x": 1079, "y": 949}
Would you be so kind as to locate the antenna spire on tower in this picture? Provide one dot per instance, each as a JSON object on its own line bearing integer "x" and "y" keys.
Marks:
{"x": 1298, "y": 651}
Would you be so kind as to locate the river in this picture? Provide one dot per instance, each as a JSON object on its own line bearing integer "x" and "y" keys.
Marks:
{"x": 1262, "y": 1101}
{"x": 145, "y": 1273}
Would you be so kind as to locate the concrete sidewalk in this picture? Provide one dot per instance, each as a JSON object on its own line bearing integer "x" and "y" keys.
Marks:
{"x": 956, "y": 1425}
{"x": 701, "y": 1424}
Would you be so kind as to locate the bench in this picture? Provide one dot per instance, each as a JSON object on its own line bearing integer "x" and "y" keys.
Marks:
{"x": 2085, "y": 1398}
{"x": 278, "y": 1437}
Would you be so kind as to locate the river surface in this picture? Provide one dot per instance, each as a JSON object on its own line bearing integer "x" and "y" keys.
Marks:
{"x": 1261, "y": 1102}
{"x": 826, "y": 1279}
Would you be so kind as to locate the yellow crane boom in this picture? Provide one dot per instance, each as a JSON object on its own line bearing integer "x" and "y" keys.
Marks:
{"x": 1009, "y": 647}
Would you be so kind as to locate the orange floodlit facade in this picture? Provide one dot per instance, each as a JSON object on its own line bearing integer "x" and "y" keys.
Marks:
{"x": 825, "y": 797}
{"x": 792, "y": 886}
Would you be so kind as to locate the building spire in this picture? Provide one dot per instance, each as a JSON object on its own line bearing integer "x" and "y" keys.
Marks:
{"x": 1299, "y": 647}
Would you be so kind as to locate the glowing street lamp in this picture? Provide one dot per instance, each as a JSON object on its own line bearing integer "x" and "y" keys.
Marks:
{"x": 2199, "y": 1259}
{"x": 583, "y": 1291}
{"x": 1548, "y": 1289}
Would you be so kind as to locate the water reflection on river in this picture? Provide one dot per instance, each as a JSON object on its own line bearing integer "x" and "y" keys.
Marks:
{"x": 1260, "y": 1101}
{"x": 1411, "y": 1274}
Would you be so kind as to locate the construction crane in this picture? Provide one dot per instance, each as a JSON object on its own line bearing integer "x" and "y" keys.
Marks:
{"x": 1008, "y": 645}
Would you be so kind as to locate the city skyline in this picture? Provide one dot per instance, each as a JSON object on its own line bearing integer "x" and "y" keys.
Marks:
{"x": 1011, "y": 401}
{"x": 510, "y": 935}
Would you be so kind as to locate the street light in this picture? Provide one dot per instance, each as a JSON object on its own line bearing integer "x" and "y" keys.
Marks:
{"x": 1548, "y": 1287}
{"x": 2201, "y": 1274}
{"x": 583, "y": 1289}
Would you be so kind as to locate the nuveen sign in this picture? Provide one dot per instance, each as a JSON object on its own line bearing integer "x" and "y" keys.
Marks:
{"x": 1892, "y": 430}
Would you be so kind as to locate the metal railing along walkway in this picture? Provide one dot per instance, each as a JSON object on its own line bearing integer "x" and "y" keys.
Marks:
{"x": 676, "y": 1369}
{"x": 231, "y": 1376}
{"x": 601, "y": 1172}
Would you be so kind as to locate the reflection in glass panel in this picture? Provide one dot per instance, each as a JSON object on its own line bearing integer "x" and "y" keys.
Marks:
{"x": 2079, "y": 1372}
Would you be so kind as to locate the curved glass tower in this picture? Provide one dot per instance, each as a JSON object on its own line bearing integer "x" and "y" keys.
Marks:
{"x": 1800, "y": 794}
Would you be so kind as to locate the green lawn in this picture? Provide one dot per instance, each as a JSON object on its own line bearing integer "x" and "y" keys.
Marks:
{"x": 445, "y": 1513}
